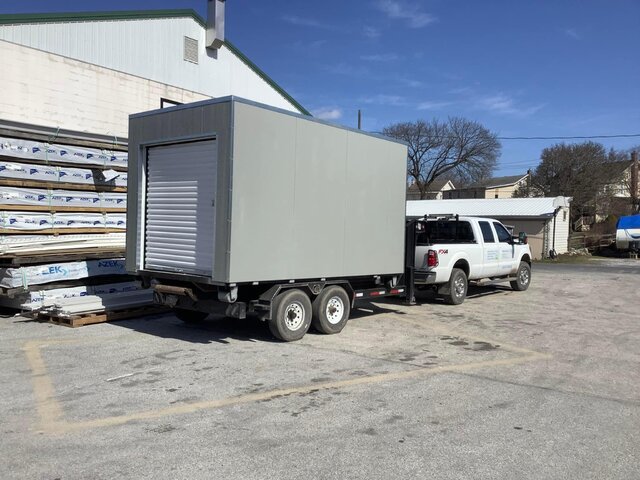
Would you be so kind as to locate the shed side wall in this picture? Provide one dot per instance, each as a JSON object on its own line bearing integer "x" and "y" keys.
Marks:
{"x": 312, "y": 200}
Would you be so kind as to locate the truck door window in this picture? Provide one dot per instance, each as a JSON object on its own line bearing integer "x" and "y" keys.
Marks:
{"x": 487, "y": 233}
{"x": 503, "y": 235}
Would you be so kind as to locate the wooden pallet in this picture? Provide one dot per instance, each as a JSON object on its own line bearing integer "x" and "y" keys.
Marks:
{"x": 63, "y": 138}
{"x": 102, "y": 317}
{"x": 96, "y": 253}
{"x": 13, "y": 182}
{"x": 58, "y": 163}
{"x": 56, "y": 209}
{"x": 60, "y": 231}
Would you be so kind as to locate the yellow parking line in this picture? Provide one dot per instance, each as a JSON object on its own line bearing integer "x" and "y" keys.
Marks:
{"x": 51, "y": 415}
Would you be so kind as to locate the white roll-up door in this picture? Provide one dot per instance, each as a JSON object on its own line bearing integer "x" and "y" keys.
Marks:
{"x": 180, "y": 213}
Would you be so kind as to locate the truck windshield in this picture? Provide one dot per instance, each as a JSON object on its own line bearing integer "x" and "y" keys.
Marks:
{"x": 446, "y": 231}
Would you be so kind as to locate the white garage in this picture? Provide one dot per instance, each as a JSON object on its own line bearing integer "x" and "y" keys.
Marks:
{"x": 546, "y": 220}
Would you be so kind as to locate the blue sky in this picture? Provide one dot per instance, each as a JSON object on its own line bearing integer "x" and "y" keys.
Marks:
{"x": 521, "y": 68}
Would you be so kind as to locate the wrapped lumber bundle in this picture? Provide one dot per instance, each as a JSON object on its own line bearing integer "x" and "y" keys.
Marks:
{"x": 14, "y": 198}
{"x": 38, "y": 300}
{"x": 62, "y": 229}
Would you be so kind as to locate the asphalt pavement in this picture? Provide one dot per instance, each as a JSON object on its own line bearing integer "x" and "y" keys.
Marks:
{"x": 508, "y": 385}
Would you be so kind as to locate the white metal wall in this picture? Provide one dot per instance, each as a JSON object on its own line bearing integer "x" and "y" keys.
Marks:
{"x": 45, "y": 89}
{"x": 563, "y": 220}
{"x": 151, "y": 49}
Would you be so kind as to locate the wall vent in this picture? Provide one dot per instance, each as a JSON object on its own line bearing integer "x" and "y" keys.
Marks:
{"x": 190, "y": 50}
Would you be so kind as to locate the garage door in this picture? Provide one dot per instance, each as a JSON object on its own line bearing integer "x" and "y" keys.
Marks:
{"x": 180, "y": 213}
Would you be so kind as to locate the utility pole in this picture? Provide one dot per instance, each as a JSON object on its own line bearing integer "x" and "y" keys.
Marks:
{"x": 635, "y": 193}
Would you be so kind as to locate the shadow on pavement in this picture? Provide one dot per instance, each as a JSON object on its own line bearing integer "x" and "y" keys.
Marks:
{"x": 214, "y": 329}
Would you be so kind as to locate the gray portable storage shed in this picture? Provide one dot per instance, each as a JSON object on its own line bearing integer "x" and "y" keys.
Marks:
{"x": 231, "y": 191}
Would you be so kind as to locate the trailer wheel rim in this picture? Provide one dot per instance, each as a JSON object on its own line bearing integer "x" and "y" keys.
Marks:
{"x": 335, "y": 310}
{"x": 459, "y": 286}
{"x": 294, "y": 316}
{"x": 524, "y": 276}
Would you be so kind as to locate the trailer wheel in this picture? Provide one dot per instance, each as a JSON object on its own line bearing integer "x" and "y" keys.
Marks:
{"x": 331, "y": 310}
{"x": 457, "y": 287}
{"x": 290, "y": 315}
{"x": 190, "y": 316}
{"x": 523, "y": 277}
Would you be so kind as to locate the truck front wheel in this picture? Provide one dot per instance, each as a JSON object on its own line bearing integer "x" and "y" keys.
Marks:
{"x": 290, "y": 315}
{"x": 456, "y": 288}
{"x": 523, "y": 277}
{"x": 331, "y": 310}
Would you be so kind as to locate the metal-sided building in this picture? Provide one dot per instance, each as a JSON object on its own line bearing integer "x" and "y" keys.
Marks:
{"x": 87, "y": 72}
{"x": 69, "y": 82}
{"x": 545, "y": 220}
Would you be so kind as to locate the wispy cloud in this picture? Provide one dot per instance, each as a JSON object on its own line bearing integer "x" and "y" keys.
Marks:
{"x": 328, "y": 113}
{"x": 306, "y": 22}
{"x": 505, "y": 104}
{"x": 387, "y": 100}
{"x": 348, "y": 70}
{"x": 411, "y": 12}
{"x": 370, "y": 32}
{"x": 300, "y": 45}
{"x": 572, "y": 33}
{"x": 432, "y": 105}
{"x": 460, "y": 90}
{"x": 380, "y": 57}
{"x": 411, "y": 82}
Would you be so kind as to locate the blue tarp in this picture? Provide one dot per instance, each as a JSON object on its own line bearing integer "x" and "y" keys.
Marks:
{"x": 626, "y": 223}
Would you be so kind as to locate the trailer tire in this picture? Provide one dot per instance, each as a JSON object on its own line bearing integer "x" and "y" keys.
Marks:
{"x": 457, "y": 287}
{"x": 290, "y": 315}
{"x": 190, "y": 316}
{"x": 331, "y": 310}
{"x": 523, "y": 277}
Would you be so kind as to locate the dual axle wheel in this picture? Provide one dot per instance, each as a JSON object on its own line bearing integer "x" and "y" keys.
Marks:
{"x": 293, "y": 313}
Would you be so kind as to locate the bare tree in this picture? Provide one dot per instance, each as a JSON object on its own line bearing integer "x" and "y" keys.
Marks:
{"x": 456, "y": 148}
{"x": 584, "y": 171}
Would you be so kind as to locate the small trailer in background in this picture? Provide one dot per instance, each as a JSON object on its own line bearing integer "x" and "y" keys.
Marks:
{"x": 628, "y": 234}
{"x": 238, "y": 205}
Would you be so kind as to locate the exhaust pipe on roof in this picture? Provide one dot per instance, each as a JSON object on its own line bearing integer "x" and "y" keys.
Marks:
{"x": 215, "y": 24}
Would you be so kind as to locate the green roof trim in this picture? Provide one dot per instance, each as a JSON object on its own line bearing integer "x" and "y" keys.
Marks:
{"x": 18, "y": 18}
{"x": 25, "y": 18}
{"x": 265, "y": 77}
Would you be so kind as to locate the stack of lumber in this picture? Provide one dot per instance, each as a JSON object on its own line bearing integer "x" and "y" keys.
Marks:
{"x": 62, "y": 230}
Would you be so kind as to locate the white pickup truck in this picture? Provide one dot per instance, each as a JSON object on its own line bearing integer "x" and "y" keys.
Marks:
{"x": 452, "y": 251}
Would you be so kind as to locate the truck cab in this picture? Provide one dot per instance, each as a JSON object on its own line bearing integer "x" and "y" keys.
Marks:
{"x": 452, "y": 251}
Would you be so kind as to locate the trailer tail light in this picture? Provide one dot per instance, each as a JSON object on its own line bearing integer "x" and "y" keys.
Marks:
{"x": 432, "y": 259}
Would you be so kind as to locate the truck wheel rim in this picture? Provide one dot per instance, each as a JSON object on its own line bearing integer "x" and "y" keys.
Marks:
{"x": 335, "y": 310}
{"x": 294, "y": 316}
{"x": 524, "y": 276}
{"x": 459, "y": 286}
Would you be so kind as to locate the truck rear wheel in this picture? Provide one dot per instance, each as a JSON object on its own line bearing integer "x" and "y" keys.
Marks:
{"x": 523, "y": 277}
{"x": 290, "y": 315}
{"x": 457, "y": 287}
{"x": 190, "y": 316}
{"x": 331, "y": 310}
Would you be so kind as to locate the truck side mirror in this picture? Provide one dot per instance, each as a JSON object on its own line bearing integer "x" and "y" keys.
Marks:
{"x": 522, "y": 237}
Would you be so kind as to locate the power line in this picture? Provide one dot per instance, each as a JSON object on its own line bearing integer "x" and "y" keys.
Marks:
{"x": 576, "y": 137}
{"x": 581, "y": 137}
